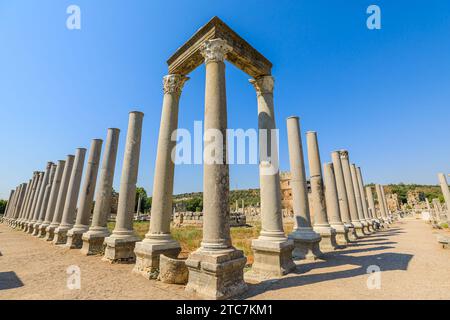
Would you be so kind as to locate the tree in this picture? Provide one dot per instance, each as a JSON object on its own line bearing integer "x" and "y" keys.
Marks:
{"x": 2, "y": 206}
{"x": 145, "y": 203}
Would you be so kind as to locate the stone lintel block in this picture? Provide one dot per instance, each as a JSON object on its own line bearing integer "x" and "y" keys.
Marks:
{"x": 148, "y": 255}
{"x": 216, "y": 274}
{"x": 120, "y": 248}
{"x": 272, "y": 258}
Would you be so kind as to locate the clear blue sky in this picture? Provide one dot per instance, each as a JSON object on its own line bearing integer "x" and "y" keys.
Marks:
{"x": 383, "y": 94}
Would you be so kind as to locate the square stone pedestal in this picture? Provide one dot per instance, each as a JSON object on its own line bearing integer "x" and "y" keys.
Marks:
{"x": 74, "y": 237}
{"x": 36, "y": 229}
{"x": 328, "y": 242}
{"x": 50, "y": 233}
{"x": 94, "y": 242}
{"x": 42, "y": 230}
{"x": 341, "y": 235}
{"x": 147, "y": 255}
{"x": 120, "y": 248}
{"x": 30, "y": 228}
{"x": 216, "y": 274}
{"x": 272, "y": 258}
{"x": 306, "y": 244}
{"x": 358, "y": 229}
{"x": 60, "y": 236}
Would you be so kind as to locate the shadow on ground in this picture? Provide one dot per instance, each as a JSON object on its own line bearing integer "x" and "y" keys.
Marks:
{"x": 9, "y": 280}
{"x": 387, "y": 261}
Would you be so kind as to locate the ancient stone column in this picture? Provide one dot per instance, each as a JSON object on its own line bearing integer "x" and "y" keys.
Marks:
{"x": 70, "y": 206}
{"x": 98, "y": 231}
{"x": 381, "y": 203}
{"x": 371, "y": 208}
{"x": 358, "y": 226}
{"x": 22, "y": 189}
{"x": 29, "y": 228}
{"x": 86, "y": 200}
{"x": 45, "y": 199}
{"x": 272, "y": 250}
{"x": 25, "y": 201}
{"x": 16, "y": 199}
{"x": 40, "y": 198}
{"x": 53, "y": 198}
{"x": 445, "y": 192}
{"x": 332, "y": 205}
{"x": 358, "y": 198}
{"x": 318, "y": 207}
{"x": 120, "y": 244}
{"x": 61, "y": 199}
{"x": 342, "y": 196}
{"x": 363, "y": 199}
{"x": 29, "y": 203}
{"x": 306, "y": 240}
{"x": 158, "y": 240}
{"x": 216, "y": 268}
{"x": 8, "y": 204}
{"x": 386, "y": 207}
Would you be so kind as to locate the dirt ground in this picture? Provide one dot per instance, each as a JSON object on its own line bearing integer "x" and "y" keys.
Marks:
{"x": 412, "y": 266}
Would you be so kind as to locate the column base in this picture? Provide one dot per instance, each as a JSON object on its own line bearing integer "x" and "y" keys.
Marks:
{"x": 60, "y": 235}
{"x": 217, "y": 274}
{"x": 120, "y": 248}
{"x": 36, "y": 229}
{"x": 74, "y": 237}
{"x": 148, "y": 252}
{"x": 306, "y": 244}
{"x": 358, "y": 229}
{"x": 342, "y": 239}
{"x": 30, "y": 228}
{"x": 328, "y": 242}
{"x": 42, "y": 230}
{"x": 94, "y": 242}
{"x": 50, "y": 233}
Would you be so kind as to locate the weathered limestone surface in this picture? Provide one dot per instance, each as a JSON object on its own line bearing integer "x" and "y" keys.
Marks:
{"x": 332, "y": 204}
{"x": 86, "y": 200}
{"x": 53, "y": 198}
{"x": 30, "y": 221}
{"x": 70, "y": 205}
{"x": 120, "y": 244}
{"x": 306, "y": 240}
{"x": 61, "y": 199}
{"x": 344, "y": 209}
{"x": 363, "y": 199}
{"x": 172, "y": 270}
{"x": 351, "y": 194}
{"x": 359, "y": 205}
{"x": 321, "y": 224}
{"x": 216, "y": 268}
{"x": 159, "y": 240}
{"x": 45, "y": 200}
{"x": 445, "y": 192}
{"x": 272, "y": 250}
{"x": 93, "y": 239}
{"x": 40, "y": 198}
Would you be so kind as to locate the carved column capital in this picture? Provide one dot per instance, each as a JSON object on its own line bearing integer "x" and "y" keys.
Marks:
{"x": 173, "y": 83}
{"x": 263, "y": 84}
{"x": 215, "y": 50}
{"x": 343, "y": 154}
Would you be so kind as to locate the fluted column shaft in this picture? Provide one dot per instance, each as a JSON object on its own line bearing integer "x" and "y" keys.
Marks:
{"x": 41, "y": 192}
{"x": 380, "y": 201}
{"x": 46, "y": 197}
{"x": 54, "y": 192}
{"x": 331, "y": 196}
{"x": 35, "y": 197}
{"x": 371, "y": 202}
{"x": 358, "y": 198}
{"x": 362, "y": 192}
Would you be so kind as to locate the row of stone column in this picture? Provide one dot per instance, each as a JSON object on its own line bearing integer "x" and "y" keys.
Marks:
{"x": 54, "y": 205}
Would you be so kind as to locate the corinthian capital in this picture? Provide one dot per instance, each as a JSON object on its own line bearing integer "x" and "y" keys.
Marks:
{"x": 263, "y": 84}
{"x": 343, "y": 154}
{"x": 215, "y": 50}
{"x": 173, "y": 83}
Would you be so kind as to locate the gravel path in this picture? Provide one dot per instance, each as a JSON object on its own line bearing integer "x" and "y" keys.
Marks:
{"x": 412, "y": 264}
